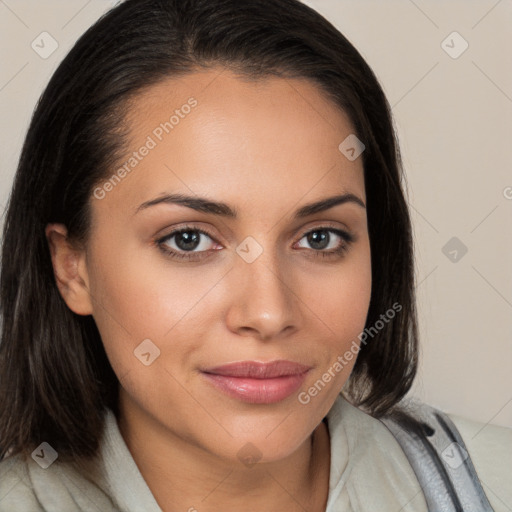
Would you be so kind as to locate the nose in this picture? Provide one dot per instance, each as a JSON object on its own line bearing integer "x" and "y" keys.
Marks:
{"x": 265, "y": 300}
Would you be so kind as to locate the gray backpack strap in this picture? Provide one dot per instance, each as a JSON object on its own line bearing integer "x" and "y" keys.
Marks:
{"x": 439, "y": 458}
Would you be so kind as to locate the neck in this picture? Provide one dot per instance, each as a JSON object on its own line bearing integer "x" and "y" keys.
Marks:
{"x": 184, "y": 477}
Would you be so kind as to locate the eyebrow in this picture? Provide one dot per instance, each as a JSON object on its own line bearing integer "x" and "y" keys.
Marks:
{"x": 201, "y": 204}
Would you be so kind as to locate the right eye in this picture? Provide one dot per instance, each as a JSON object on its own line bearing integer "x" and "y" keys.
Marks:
{"x": 183, "y": 243}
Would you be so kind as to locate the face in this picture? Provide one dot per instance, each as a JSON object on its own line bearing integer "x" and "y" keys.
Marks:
{"x": 178, "y": 291}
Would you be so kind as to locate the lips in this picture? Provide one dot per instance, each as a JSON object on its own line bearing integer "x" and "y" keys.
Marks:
{"x": 256, "y": 382}
{"x": 257, "y": 370}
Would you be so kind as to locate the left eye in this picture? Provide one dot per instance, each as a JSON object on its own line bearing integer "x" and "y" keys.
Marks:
{"x": 186, "y": 240}
{"x": 320, "y": 239}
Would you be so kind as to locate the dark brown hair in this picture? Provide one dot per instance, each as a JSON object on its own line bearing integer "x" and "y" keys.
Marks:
{"x": 55, "y": 378}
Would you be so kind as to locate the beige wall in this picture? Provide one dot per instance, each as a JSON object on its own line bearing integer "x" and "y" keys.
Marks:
{"x": 454, "y": 119}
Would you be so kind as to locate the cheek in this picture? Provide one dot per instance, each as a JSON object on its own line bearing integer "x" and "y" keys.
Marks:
{"x": 341, "y": 297}
{"x": 138, "y": 295}
{"x": 339, "y": 301}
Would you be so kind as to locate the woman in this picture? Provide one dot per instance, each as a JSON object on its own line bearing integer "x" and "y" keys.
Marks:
{"x": 212, "y": 300}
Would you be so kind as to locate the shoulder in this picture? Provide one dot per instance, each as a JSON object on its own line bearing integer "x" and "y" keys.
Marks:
{"x": 26, "y": 486}
{"x": 369, "y": 470}
{"x": 455, "y": 457}
{"x": 447, "y": 458}
{"x": 490, "y": 448}
{"x": 16, "y": 493}
{"x": 109, "y": 481}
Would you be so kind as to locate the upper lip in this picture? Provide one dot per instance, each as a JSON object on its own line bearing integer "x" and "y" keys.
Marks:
{"x": 259, "y": 370}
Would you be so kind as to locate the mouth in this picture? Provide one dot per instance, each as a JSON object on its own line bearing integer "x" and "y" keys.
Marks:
{"x": 256, "y": 382}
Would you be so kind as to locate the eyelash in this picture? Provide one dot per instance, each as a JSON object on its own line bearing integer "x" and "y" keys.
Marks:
{"x": 347, "y": 238}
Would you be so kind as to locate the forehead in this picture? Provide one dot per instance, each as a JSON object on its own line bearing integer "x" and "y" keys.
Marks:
{"x": 216, "y": 134}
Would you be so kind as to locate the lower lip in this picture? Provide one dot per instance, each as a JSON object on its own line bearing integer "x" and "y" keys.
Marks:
{"x": 257, "y": 391}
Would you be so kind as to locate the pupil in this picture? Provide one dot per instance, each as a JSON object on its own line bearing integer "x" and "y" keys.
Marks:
{"x": 314, "y": 239}
{"x": 186, "y": 241}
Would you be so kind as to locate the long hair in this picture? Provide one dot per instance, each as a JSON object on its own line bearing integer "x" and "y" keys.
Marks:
{"x": 55, "y": 378}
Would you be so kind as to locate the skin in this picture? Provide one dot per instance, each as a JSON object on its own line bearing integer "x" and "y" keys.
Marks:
{"x": 265, "y": 148}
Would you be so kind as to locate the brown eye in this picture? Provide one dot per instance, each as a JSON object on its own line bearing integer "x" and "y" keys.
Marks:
{"x": 188, "y": 242}
{"x": 320, "y": 239}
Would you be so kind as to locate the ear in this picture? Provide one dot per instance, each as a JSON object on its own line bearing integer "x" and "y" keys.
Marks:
{"x": 70, "y": 269}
